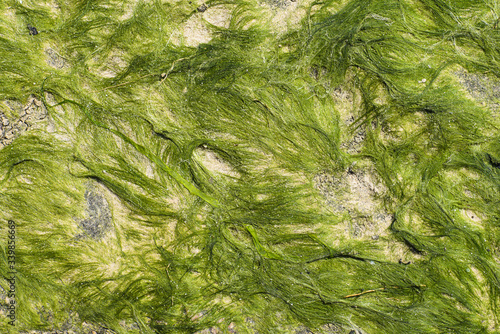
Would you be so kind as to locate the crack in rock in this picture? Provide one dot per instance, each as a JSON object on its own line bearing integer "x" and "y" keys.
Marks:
{"x": 33, "y": 112}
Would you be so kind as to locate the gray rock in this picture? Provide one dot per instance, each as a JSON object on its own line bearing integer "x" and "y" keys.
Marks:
{"x": 54, "y": 59}
{"x": 99, "y": 219}
{"x": 482, "y": 88}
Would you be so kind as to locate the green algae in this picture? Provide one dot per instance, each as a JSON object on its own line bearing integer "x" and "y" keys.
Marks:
{"x": 249, "y": 242}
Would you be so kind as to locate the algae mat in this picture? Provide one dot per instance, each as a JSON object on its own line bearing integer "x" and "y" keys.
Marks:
{"x": 249, "y": 166}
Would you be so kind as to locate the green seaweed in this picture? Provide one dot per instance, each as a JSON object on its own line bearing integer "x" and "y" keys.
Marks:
{"x": 209, "y": 155}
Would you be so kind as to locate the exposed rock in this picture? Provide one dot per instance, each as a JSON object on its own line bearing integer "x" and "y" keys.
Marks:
{"x": 214, "y": 163}
{"x": 196, "y": 31}
{"x": 354, "y": 143}
{"x": 280, "y": 3}
{"x": 482, "y": 88}
{"x": 303, "y": 330}
{"x": 99, "y": 219}
{"x": 15, "y": 106}
{"x": 33, "y": 112}
{"x": 356, "y": 194}
{"x": 21, "y": 126}
{"x": 54, "y": 59}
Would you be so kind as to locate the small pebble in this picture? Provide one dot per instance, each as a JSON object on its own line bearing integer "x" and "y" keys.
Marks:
{"x": 202, "y": 8}
{"x": 32, "y": 30}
